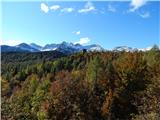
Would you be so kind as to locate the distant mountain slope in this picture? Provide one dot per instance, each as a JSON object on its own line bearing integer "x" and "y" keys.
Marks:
{"x": 7, "y": 57}
{"x": 38, "y": 47}
{"x": 27, "y": 47}
{"x": 130, "y": 49}
{"x": 63, "y": 47}
{"x": 6, "y": 48}
{"x": 123, "y": 48}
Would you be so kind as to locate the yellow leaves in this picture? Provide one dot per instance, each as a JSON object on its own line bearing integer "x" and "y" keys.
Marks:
{"x": 4, "y": 87}
{"x": 106, "y": 107}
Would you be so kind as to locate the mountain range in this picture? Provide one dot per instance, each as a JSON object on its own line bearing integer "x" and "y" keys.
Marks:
{"x": 63, "y": 47}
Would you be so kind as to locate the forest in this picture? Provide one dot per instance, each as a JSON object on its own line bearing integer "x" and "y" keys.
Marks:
{"x": 103, "y": 85}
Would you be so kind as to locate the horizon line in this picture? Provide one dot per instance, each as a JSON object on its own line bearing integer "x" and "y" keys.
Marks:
{"x": 86, "y": 45}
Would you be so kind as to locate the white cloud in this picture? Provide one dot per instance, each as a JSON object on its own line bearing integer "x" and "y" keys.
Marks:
{"x": 76, "y": 32}
{"x": 44, "y": 7}
{"x": 55, "y": 7}
{"x": 83, "y": 41}
{"x": 67, "y": 10}
{"x": 144, "y": 15}
{"x": 111, "y": 8}
{"x": 10, "y": 42}
{"x": 87, "y": 8}
{"x": 136, "y": 4}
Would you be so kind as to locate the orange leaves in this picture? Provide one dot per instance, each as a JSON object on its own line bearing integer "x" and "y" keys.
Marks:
{"x": 62, "y": 80}
{"x": 106, "y": 107}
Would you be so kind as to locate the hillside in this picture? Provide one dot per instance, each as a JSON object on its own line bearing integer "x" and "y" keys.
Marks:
{"x": 13, "y": 57}
{"x": 83, "y": 86}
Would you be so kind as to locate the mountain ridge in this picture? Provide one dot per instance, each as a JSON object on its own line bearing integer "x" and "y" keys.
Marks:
{"x": 63, "y": 47}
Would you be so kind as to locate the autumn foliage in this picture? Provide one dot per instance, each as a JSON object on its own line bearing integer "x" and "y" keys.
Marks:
{"x": 84, "y": 86}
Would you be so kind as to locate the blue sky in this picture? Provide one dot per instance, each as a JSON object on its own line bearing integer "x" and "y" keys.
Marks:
{"x": 133, "y": 23}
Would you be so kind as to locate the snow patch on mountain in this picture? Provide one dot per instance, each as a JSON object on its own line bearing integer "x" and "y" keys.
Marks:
{"x": 64, "y": 47}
